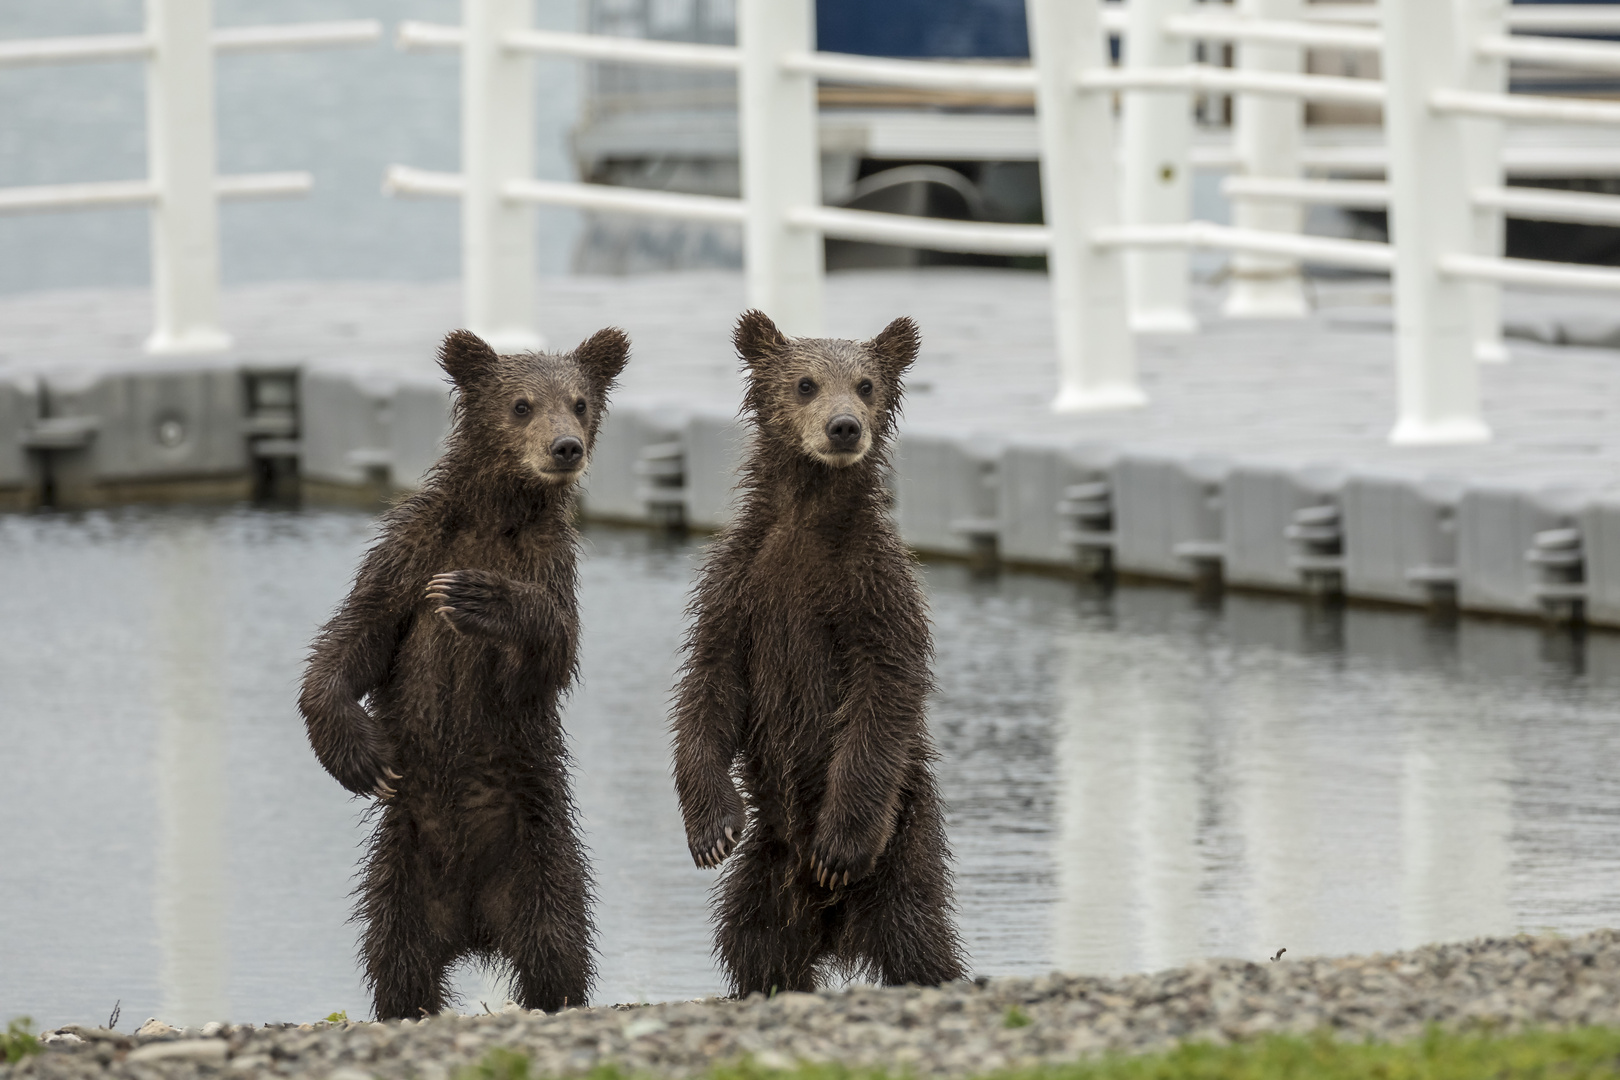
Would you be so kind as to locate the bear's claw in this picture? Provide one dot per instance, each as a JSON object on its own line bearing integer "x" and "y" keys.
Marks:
{"x": 715, "y": 854}
{"x": 830, "y": 876}
{"x": 468, "y": 600}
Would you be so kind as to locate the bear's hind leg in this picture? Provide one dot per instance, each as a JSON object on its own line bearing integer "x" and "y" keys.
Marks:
{"x": 536, "y": 913}
{"x": 897, "y": 921}
{"x": 411, "y": 937}
{"x": 769, "y": 933}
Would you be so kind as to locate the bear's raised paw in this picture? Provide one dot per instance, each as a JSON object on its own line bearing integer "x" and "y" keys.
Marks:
{"x": 471, "y": 601}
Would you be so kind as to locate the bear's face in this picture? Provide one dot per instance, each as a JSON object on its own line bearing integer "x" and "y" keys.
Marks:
{"x": 534, "y": 415}
{"x": 831, "y": 399}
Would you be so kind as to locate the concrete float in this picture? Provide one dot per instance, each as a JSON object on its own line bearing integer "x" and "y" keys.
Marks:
{"x": 1275, "y": 502}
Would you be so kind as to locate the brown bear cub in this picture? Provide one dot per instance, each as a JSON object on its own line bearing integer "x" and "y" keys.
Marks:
{"x": 436, "y": 688}
{"x": 808, "y": 664}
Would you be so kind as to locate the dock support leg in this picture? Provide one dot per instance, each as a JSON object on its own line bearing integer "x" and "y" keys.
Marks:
{"x": 781, "y": 163}
{"x": 180, "y": 149}
{"x": 1482, "y": 139}
{"x": 498, "y": 280}
{"x": 1437, "y": 379}
{"x": 1266, "y": 133}
{"x": 1096, "y": 356}
{"x": 1157, "y": 179}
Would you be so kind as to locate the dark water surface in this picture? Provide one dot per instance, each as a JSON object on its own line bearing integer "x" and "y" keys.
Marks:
{"x": 1134, "y": 781}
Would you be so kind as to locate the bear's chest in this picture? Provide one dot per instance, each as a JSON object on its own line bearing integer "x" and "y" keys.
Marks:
{"x": 806, "y": 602}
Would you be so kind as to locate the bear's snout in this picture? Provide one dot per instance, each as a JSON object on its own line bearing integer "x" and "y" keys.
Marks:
{"x": 566, "y": 451}
{"x": 844, "y": 433}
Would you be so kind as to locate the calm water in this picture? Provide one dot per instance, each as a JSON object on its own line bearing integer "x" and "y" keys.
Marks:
{"x": 1134, "y": 781}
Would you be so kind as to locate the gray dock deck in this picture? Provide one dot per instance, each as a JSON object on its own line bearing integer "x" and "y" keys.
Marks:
{"x": 1262, "y": 455}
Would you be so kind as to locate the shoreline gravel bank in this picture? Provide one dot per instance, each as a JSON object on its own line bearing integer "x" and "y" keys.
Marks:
{"x": 959, "y": 1030}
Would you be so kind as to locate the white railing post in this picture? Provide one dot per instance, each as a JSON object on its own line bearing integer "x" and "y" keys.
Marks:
{"x": 1482, "y": 139}
{"x": 1157, "y": 179}
{"x": 180, "y": 149}
{"x": 498, "y": 284}
{"x": 781, "y": 163}
{"x": 1266, "y": 137}
{"x": 1096, "y": 356}
{"x": 1437, "y": 379}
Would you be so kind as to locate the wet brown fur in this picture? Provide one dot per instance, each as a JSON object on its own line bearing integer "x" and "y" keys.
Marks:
{"x": 437, "y": 685}
{"x": 806, "y": 675}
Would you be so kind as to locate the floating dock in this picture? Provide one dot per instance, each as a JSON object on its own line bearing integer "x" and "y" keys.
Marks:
{"x": 1262, "y": 460}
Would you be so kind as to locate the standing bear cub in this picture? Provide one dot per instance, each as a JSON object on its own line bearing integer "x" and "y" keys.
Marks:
{"x": 808, "y": 660}
{"x": 436, "y": 687}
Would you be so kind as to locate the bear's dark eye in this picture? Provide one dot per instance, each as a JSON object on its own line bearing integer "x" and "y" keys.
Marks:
{"x": 865, "y": 389}
{"x": 807, "y": 386}
{"x": 579, "y": 407}
{"x": 522, "y": 408}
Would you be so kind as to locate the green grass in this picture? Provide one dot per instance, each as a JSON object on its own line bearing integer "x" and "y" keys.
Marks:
{"x": 340, "y": 1017}
{"x": 18, "y": 1041}
{"x": 1579, "y": 1054}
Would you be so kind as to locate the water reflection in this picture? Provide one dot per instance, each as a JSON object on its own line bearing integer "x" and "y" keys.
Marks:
{"x": 187, "y": 661}
{"x": 1135, "y": 779}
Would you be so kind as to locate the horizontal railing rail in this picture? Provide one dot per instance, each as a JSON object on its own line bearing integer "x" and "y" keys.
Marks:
{"x": 1541, "y": 204}
{"x": 1355, "y": 254}
{"x": 918, "y": 74}
{"x": 94, "y": 47}
{"x": 1203, "y": 78}
{"x": 935, "y": 234}
{"x": 1224, "y": 27}
{"x": 1550, "y": 275}
{"x": 145, "y": 192}
{"x": 1359, "y": 194}
{"x": 1525, "y": 107}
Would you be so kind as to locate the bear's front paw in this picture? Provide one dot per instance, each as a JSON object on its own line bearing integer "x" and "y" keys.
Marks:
{"x": 710, "y": 848}
{"x": 366, "y": 774}
{"x": 471, "y": 601}
{"x": 837, "y": 866}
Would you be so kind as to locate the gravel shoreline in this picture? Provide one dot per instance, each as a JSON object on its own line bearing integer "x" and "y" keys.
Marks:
{"x": 958, "y": 1030}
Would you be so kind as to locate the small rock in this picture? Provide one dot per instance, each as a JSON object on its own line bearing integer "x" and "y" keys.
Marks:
{"x": 348, "y": 1073}
{"x": 59, "y": 1037}
{"x": 154, "y": 1029}
{"x": 201, "y": 1051}
{"x": 635, "y": 1029}
{"x": 774, "y": 1060}
{"x": 212, "y": 1028}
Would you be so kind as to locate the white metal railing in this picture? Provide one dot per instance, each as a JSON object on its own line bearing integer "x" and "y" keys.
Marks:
{"x": 783, "y": 219}
{"x": 1116, "y": 245}
{"x": 1444, "y": 99}
{"x": 178, "y": 46}
{"x": 1115, "y": 241}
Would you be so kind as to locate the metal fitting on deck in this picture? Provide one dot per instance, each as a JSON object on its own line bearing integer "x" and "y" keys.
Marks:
{"x": 1089, "y": 509}
{"x": 661, "y": 469}
{"x": 1559, "y": 560}
{"x": 1318, "y": 538}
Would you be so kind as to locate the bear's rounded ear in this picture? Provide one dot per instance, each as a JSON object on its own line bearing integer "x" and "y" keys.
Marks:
{"x": 466, "y": 357}
{"x": 757, "y": 339}
{"x": 896, "y": 345}
{"x": 603, "y": 355}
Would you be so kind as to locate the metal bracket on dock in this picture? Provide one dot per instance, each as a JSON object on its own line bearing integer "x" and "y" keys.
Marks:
{"x": 1559, "y": 558}
{"x": 662, "y": 469}
{"x": 61, "y": 433}
{"x": 1089, "y": 507}
{"x": 1318, "y": 537}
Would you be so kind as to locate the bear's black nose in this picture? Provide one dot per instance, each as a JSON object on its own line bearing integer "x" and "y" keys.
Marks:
{"x": 844, "y": 432}
{"x": 566, "y": 451}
